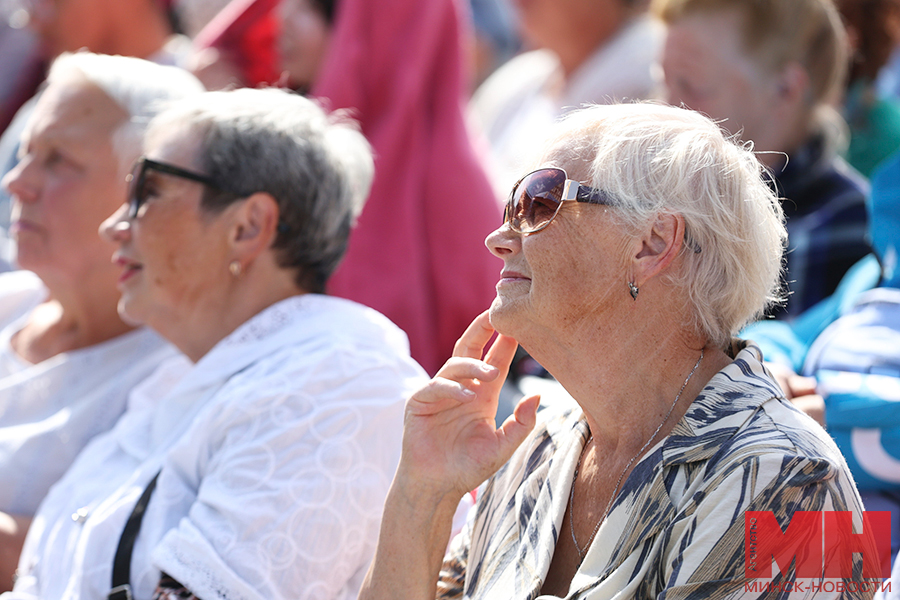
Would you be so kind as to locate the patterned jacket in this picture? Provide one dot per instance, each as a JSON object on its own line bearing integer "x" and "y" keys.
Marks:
{"x": 676, "y": 529}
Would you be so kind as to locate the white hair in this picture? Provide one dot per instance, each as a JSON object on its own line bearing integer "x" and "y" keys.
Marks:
{"x": 142, "y": 88}
{"x": 654, "y": 160}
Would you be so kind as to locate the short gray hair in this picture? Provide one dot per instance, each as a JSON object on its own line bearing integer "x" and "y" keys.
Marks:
{"x": 653, "y": 160}
{"x": 142, "y": 88}
{"x": 316, "y": 165}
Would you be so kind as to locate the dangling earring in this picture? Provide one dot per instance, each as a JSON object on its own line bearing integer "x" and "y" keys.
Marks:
{"x": 235, "y": 268}
{"x": 633, "y": 289}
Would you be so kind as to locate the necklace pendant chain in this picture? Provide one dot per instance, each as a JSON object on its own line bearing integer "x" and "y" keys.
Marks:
{"x": 582, "y": 551}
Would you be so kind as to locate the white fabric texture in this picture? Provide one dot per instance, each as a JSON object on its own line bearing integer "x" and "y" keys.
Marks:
{"x": 517, "y": 106}
{"x": 51, "y": 410}
{"x": 277, "y": 449}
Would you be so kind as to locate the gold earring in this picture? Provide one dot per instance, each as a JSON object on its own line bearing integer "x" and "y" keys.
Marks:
{"x": 235, "y": 268}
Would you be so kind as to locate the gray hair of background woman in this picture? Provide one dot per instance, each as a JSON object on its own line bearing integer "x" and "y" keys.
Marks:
{"x": 655, "y": 160}
{"x": 142, "y": 88}
{"x": 316, "y": 165}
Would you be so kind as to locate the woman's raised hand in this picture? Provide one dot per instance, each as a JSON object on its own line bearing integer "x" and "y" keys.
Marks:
{"x": 450, "y": 445}
{"x": 450, "y": 441}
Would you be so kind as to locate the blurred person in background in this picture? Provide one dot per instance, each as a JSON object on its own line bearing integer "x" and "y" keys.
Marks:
{"x": 771, "y": 72}
{"x": 67, "y": 359}
{"x": 238, "y": 47}
{"x": 398, "y": 66}
{"x": 307, "y": 29}
{"x": 846, "y": 350}
{"x": 496, "y": 38}
{"x": 585, "y": 52}
{"x": 21, "y": 67}
{"x": 260, "y": 460}
{"x": 873, "y": 28}
{"x": 21, "y": 71}
{"x": 140, "y": 28}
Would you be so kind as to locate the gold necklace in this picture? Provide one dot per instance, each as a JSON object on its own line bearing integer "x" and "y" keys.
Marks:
{"x": 582, "y": 552}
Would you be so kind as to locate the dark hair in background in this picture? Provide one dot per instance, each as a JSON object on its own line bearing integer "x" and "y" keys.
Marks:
{"x": 874, "y": 27}
{"x": 326, "y": 7}
{"x": 172, "y": 16}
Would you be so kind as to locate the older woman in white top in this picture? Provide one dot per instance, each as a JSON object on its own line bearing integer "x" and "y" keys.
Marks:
{"x": 275, "y": 440}
{"x": 67, "y": 360}
{"x": 643, "y": 242}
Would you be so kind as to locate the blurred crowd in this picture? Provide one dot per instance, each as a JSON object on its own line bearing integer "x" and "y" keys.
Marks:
{"x": 453, "y": 101}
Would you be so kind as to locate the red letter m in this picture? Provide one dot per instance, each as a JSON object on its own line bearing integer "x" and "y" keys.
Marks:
{"x": 801, "y": 542}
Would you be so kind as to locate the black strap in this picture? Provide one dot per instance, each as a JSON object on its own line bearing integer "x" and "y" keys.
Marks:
{"x": 121, "y": 574}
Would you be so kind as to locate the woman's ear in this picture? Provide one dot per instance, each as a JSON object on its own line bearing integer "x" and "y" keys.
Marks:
{"x": 660, "y": 244}
{"x": 255, "y": 225}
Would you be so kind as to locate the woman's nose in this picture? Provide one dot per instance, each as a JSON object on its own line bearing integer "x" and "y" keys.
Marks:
{"x": 20, "y": 183}
{"x": 117, "y": 226}
{"x": 503, "y": 241}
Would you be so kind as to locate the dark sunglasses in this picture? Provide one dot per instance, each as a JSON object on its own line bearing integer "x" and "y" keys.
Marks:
{"x": 535, "y": 201}
{"x": 137, "y": 180}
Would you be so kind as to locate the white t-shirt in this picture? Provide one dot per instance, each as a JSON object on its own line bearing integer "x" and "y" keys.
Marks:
{"x": 277, "y": 449}
{"x": 51, "y": 410}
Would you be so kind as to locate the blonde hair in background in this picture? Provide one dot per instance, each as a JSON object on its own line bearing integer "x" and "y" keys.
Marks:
{"x": 778, "y": 32}
{"x": 655, "y": 160}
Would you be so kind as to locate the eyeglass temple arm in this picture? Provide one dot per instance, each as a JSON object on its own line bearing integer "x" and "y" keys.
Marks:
{"x": 582, "y": 193}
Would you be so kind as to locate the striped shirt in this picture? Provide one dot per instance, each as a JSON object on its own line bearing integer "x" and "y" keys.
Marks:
{"x": 676, "y": 529}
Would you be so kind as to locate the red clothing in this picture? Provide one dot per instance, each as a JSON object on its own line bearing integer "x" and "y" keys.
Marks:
{"x": 417, "y": 253}
{"x": 246, "y": 32}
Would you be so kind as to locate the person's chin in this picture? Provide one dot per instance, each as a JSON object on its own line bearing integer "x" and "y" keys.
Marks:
{"x": 128, "y": 312}
{"x": 29, "y": 258}
{"x": 503, "y": 315}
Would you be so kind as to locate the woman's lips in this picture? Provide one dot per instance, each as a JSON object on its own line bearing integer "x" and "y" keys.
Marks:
{"x": 129, "y": 268}
{"x": 23, "y": 226}
{"x": 512, "y": 277}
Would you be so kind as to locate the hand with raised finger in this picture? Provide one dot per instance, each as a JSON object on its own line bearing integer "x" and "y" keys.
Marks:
{"x": 450, "y": 441}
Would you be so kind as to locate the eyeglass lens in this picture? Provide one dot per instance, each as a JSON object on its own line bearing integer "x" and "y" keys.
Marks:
{"x": 536, "y": 200}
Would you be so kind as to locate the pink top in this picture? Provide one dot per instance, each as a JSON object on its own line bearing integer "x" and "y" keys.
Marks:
{"x": 417, "y": 254}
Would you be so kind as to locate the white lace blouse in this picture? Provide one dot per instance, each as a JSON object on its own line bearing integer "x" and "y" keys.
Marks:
{"x": 276, "y": 448}
{"x": 51, "y": 410}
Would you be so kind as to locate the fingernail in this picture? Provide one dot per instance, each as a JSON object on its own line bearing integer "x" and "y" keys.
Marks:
{"x": 468, "y": 393}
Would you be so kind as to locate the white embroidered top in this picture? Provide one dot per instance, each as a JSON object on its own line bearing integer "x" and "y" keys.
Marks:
{"x": 276, "y": 448}
{"x": 50, "y": 411}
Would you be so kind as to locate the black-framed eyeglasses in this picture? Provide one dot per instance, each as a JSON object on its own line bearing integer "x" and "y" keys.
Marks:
{"x": 535, "y": 200}
{"x": 137, "y": 180}
{"x": 137, "y": 185}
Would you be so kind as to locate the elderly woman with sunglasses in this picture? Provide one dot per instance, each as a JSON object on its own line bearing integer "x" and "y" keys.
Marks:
{"x": 631, "y": 258}
{"x": 256, "y": 467}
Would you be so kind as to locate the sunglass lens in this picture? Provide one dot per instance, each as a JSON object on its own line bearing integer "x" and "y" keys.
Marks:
{"x": 537, "y": 199}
